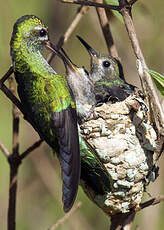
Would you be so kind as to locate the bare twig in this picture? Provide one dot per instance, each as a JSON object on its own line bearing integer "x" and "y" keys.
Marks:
{"x": 30, "y": 149}
{"x": 14, "y": 162}
{"x": 122, "y": 221}
{"x": 65, "y": 217}
{"x": 151, "y": 202}
{"x": 63, "y": 39}
{"x": 4, "y": 150}
{"x": 157, "y": 114}
{"x": 106, "y": 30}
{"x": 16, "y": 114}
{"x": 89, "y": 3}
{"x": 8, "y": 92}
{"x": 7, "y": 75}
{"x": 12, "y": 97}
{"x": 132, "y": 2}
{"x": 14, "y": 159}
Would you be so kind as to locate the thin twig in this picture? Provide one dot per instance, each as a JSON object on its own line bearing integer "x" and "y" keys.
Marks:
{"x": 7, "y": 75}
{"x": 151, "y": 202}
{"x": 89, "y": 3}
{"x": 30, "y": 149}
{"x": 8, "y": 92}
{"x": 122, "y": 221}
{"x": 64, "y": 38}
{"x": 14, "y": 164}
{"x": 148, "y": 87}
{"x": 4, "y": 150}
{"x": 14, "y": 159}
{"x": 16, "y": 114}
{"x": 12, "y": 97}
{"x": 132, "y": 2}
{"x": 106, "y": 30}
{"x": 65, "y": 217}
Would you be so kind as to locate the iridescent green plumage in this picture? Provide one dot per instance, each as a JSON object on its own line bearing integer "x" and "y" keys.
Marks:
{"x": 47, "y": 100}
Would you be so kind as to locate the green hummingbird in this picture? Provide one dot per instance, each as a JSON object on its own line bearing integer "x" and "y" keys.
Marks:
{"x": 47, "y": 99}
{"x": 107, "y": 76}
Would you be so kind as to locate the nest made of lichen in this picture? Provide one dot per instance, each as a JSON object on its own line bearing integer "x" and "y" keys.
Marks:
{"x": 125, "y": 142}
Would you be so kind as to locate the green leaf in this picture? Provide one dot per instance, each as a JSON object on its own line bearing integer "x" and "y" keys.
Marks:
{"x": 115, "y": 12}
{"x": 112, "y": 2}
{"x": 158, "y": 80}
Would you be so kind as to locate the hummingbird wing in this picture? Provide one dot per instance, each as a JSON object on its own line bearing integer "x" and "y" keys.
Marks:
{"x": 64, "y": 125}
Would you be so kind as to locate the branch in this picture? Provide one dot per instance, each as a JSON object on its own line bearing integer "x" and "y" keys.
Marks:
{"x": 30, "y": 149}
{"x": 122, "y": 221}
{"x": 4, "y": 150}
{"x": 16, "y": 114}
{"x": 104, "y": 23}
{"x": 7, "y": 75}
{"x": 12, "y": 97}
{"x": 89, "y": 3}
{"x": 132, "y": 2}
{"x": 65, "y": 217}
{"x": 14, "y": 159}
{"x": 64, "y": 38}
{"x": 146, "y": 81}
{"x": 18, "y": 104}
{"x": 14, "y": 164}
{"x": 7, "y": 92}
{"x": 151, "y": 202}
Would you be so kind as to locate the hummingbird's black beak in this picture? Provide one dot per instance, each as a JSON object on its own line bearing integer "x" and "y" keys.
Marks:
{"x": 51, "y": 47}
{"x": 69, "y": 65}
{"x": 90, "y": 50}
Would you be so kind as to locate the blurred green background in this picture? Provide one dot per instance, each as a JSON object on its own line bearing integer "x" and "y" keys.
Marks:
{"x": 39, "y": 203}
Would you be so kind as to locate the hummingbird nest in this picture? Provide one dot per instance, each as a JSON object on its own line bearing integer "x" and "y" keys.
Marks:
{"x": 125, "y": 143}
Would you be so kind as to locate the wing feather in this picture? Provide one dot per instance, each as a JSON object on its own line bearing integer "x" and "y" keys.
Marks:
{"x": 64, "y": 124}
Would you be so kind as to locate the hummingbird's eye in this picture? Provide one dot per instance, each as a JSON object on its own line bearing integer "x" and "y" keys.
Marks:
{"x": 42, "y": 32}
{"x": 106, "y": 63}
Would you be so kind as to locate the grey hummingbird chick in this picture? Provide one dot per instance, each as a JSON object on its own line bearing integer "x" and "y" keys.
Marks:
{"x": 107, "y": 75}
{"x": 81, "y": 85}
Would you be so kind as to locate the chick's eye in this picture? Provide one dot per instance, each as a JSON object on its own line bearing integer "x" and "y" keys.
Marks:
{"x": 42, "y": 32}
{"x": 106, "y": 63}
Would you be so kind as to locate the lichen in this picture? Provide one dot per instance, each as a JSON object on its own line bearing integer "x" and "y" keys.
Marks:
{"x": 124, "y": 142}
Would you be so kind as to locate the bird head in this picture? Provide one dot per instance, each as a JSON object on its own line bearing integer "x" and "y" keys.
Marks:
{"x": 29, "y": 33}
{"x": 103, "y": 66}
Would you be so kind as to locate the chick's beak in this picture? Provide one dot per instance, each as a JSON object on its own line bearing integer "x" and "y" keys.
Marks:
{"x": 69, "y": 65}
{"x": 90, "y": 50}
